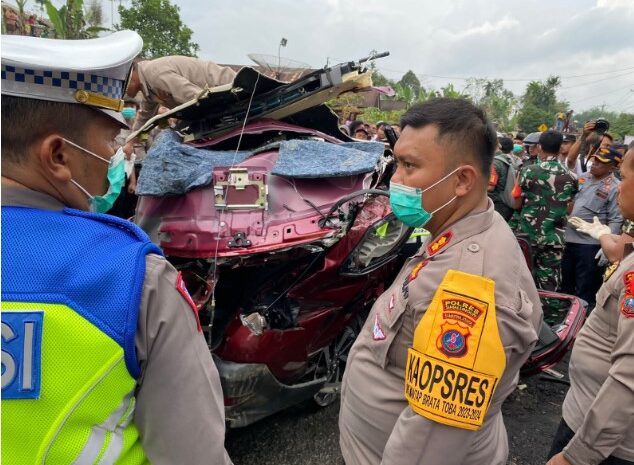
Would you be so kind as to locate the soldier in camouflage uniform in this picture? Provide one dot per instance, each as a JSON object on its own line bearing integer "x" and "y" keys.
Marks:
{"x": 547, "y": 189}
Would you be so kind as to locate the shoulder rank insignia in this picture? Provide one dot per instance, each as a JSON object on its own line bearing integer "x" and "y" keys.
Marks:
{"x": 611, "y": 268}
{"x": 439, "y": 244}
{"x": 412, "y": 276}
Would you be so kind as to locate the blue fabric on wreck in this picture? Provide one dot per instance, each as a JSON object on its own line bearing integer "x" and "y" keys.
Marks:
{"x": 317, "y": 159}
{"x": 173, "y": 168}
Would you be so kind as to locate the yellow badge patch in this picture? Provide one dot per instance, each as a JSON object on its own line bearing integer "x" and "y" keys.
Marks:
{"x": 457, "y": 357}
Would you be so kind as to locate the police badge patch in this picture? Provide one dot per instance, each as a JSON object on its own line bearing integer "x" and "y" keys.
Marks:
{"x": 453, "y": 340}
{"x": 627, "y": 307}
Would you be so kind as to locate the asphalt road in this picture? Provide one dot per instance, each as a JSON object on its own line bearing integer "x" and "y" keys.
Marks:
{"x": 307, "y": 435}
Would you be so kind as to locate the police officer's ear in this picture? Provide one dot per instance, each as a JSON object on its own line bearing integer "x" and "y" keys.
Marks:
{"x": 469, "y": 179}
{"x": 52, "y": 153}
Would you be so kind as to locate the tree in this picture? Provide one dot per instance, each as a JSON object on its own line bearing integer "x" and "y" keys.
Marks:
{"x": 94, "y": 14}
{"x": 410, "y": 80}
{"x": 21, "y": 4}
{"x": 450, "y": 91}
{"x": 158, "y": 22}
{"x": 543, "y": 95}
{"x": 69, "y": 21}
{"x": 540, "y": 104}
{"x": 622, "y": 125}
{"x": 379, "y": 80}
{"x": 406, "y": 94}
{"x": 498, "y": 102}
{"x": 530, "y": 118}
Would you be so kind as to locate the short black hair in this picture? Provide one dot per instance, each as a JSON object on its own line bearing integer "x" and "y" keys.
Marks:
{"x": 520, "y": 136}
{"x": 550, "y": 141}
{"x": 357, "y": 125}
{"x": 506, "y": 144}
{"x": 468, "y": 126}
{"x": 25, "y": 120}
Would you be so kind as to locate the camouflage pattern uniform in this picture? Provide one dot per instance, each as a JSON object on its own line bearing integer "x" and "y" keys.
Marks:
{"x": 547, "y": 188}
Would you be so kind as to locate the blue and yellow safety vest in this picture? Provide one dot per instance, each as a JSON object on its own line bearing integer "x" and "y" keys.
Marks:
{"x": 71, "y": 292}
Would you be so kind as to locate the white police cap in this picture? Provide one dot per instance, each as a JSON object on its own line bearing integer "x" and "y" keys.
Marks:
{"x": 91, "y": 72}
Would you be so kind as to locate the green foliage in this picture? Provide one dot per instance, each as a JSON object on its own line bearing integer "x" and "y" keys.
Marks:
{"x": 540, "y": 104}
{"x": 55, "y": 17}
{"x": 379, "y": 80}
{"x": 542, "y": 95}
{"x": 622, "y": 125}
{"x": 410, "y": 80}
{"x": 498, "y": 102}
{"x": 158, "y": 22}
{"x": 94, "y": 14}
{"x": 537, "y": 106}
{"x": 449, "y": 91}
{"x": 373, "y": 115}
{"x": 69, "y": 21}
{"x": 531, "y": 117}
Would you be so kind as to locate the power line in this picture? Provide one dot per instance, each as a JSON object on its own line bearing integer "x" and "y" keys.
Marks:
{"x": 625, "y": 103}
{"x": 597, "y": 80}
{"x": 601, "y": 95}
{"x": 462, "y": 78}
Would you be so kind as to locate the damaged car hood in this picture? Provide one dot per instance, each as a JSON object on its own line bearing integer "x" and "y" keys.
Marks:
{"x": 252, "y": 95}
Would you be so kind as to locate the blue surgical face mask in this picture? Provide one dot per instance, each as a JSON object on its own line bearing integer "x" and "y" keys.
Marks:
{"x": 116, "y": 179}
{"x": 407, "y": 203}
{"x": 128, "y": 113}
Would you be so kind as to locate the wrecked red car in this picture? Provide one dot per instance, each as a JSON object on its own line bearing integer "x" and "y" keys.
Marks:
{"x": 282, "y": 229}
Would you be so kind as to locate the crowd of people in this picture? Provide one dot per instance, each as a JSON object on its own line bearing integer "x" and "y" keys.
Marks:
{"x": 103, "y": 355}
{"x": 541, "y": 181}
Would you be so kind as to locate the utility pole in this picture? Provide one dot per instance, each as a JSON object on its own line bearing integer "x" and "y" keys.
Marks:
{"x": 283, "y": 43}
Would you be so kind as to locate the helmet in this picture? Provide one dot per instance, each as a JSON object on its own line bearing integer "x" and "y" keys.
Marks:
{"x": 532, "y": 138}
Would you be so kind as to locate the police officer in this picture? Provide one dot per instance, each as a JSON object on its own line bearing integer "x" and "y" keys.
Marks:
{"x": 171, "y": 81}
{"x": 596, "y": 198}
{"x": 103, "y": 358}
{"x": 579, "y": 156}
{"x": 442, "y": 347}
{"x": 547, "y": 189}
{"x": 596, "y": 427}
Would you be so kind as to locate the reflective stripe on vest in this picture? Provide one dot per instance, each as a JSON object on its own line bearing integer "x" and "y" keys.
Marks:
{"x": 112, "y": 430}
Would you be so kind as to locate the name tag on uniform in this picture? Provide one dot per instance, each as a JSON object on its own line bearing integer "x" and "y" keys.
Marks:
{"x": 21, "y": 354}
{"x": 447, "y": 392}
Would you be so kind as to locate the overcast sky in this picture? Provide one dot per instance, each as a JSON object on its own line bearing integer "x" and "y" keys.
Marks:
{"x": 590, "y": 43}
